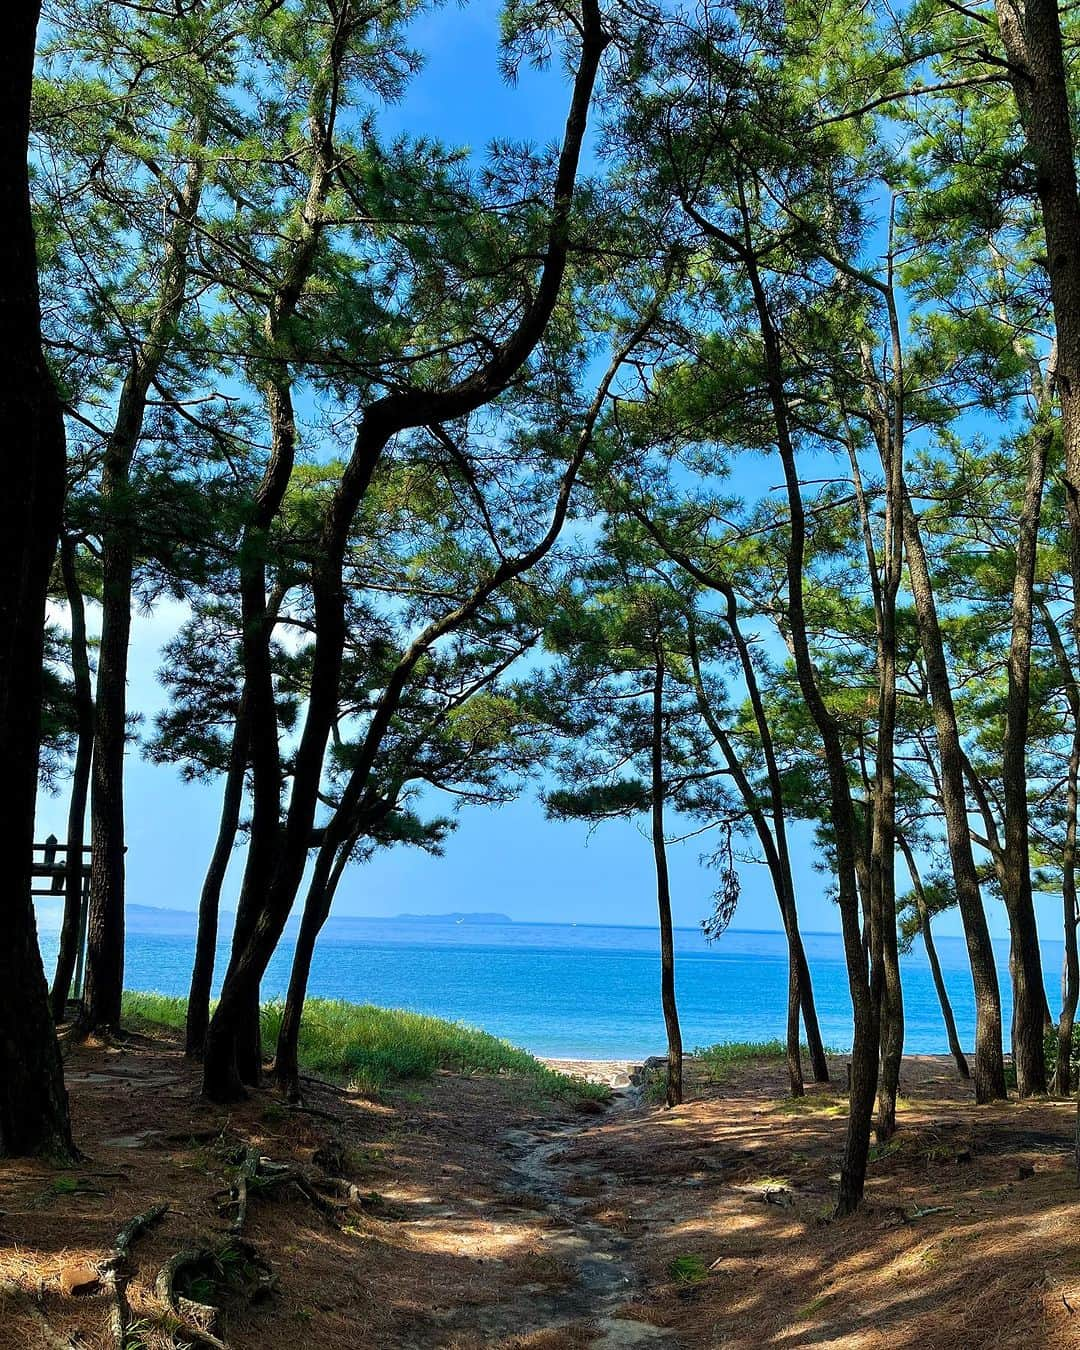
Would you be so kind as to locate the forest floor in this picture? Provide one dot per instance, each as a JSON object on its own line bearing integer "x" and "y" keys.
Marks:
{"x": 468, "y": 1212}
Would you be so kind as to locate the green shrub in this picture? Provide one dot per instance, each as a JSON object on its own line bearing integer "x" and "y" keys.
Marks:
{"x": 1050, "y": 1050}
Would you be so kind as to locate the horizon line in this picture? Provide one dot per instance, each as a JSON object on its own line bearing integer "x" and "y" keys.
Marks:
{"x": 529, "y": 923}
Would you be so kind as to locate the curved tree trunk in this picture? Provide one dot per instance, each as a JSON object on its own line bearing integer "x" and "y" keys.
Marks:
{"x": 202, "y": 974}
{"x": 774, "y": 843}
{"x": 864, "y": 985}
{"x": 70, "y": 930}
{"x": 395, "y": 412}
{"x": 989, "y": 1063}
{"x": 1070, "y": 972}
{"x": 663, "y": 892}
{"x": 33, "y": 1102}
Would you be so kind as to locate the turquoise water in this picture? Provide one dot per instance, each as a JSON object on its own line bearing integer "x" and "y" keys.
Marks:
{"x": 577, "y": 991}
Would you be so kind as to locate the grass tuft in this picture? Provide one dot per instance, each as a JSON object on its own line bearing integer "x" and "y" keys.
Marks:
{"x": 689, "y": 1269}
{"x": 719, "y": 1060}
{"x": 371, "y": 1048}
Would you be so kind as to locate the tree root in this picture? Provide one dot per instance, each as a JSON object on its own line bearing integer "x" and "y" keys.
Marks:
{"x": 324, "y": 1085}
{"x": 114, "y": 1275}
{"x": 235, "y": 1265}
{"x": 260, "y": 1174}
{"x": 199, "y": 1319}
{"x": 138, "y": 1225}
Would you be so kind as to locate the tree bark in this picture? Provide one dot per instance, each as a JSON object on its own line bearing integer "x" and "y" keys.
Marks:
{"x": 885, "y": 410}
{"x": 989, "y": 1064}
{"x": 70, "y": 930}
{"x": 865, "y": 987}
{"x": 202, "y": 973}
{"x": 931, "y": 955}
{"x": 1025, "y": 959}
{"x": 330, "y": 863}
{"x": 1070, "y": 976}
{"x": 262, "y": 748}
{"x": 1031, "y": 35}
{"x": 674, "y": 1094}
{"x": 33, "y": 1101}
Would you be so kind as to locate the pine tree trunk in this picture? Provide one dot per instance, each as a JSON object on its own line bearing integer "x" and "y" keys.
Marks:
{"x": 70, "y": 930}
{"x": 1070, "y": 969}
{"x": 989, "y": 1064}
{"x": 329, "y": 866}
{"x": 105, "y": 927}
{"x": 663, "y": 892}
{"x": 1025, "y": 961}
{"x": 792, "y": 1048}
{"x": 865, "y": 992}
{"x": 932, "y": 956}
{"x": 202, "y": 974}
{"x": 33, "y": 1101}
{"x": 1031, "y": 35}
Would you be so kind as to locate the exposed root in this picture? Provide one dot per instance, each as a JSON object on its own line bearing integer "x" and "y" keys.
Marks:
{"x": 258, "y": 1174}
{"x": 136, "y": 1226}
{"x": 114, "y": 1275}
{"x": 324, "y": 1085}
{"x": 200, "y": 1319}
{"x": 113, "y": 1281}
{"x": 246, "y": 1274}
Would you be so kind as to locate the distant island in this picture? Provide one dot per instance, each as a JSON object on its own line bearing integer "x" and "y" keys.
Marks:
{"x": 453, "y": 918}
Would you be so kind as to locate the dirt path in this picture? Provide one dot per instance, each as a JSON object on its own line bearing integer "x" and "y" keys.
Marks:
{"x": 482, "y": 1216}
{"x": 605, "y": 1276}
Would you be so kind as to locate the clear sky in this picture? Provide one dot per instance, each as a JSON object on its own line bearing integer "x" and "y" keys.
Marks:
{"x": 511, "y": 859}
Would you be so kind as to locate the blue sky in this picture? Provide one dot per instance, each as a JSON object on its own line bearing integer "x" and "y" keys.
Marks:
{"x": 511, "y": 859}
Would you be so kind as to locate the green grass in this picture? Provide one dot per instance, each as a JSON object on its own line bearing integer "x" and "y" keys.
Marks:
{"x": 719, "y": 1060}
{"x": 372, "y": 1048}
{"x": 689, "y": 1269}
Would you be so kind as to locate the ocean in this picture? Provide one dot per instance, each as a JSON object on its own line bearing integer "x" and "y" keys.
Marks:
{"x": 575, "y": 991}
